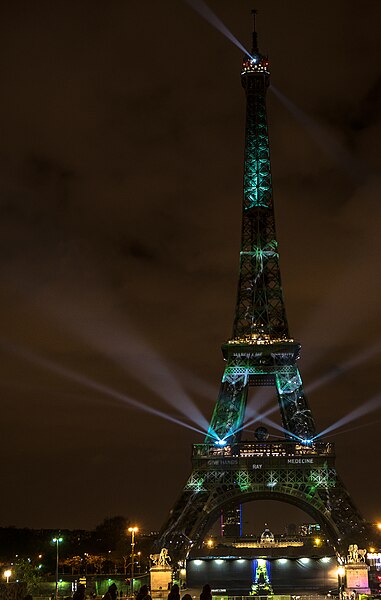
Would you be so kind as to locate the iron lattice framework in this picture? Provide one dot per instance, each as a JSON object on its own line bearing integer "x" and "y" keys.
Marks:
{"x": 260, "y": 307}
{"x": 303, "y": 475}
{"x": 296, "y": 469}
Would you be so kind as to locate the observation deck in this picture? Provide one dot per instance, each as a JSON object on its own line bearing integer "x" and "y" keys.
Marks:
{"x": 258, "y": 347}
{"x": 255, "y": 64}
{"x": 264, "y": 455}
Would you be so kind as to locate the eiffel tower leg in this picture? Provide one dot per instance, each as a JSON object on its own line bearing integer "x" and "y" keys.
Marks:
{"x": 230, "y": 407}
{"x": 350, "y": 525}
{"x": 186, "y": 524}
{"x": 296, "y": 415}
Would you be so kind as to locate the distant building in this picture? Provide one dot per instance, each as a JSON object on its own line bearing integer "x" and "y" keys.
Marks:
{"x": 309, "y": 529}
{"x": 231, "y": 522}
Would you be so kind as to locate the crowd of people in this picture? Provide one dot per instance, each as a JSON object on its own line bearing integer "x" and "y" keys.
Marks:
{"x": 143, "y": 593}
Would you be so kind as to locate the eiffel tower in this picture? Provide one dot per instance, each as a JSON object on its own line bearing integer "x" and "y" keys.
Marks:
{"x": 297, "y": 469}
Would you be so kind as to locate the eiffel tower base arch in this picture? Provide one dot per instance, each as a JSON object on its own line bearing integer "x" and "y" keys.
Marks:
{"x": 223, "y": 478}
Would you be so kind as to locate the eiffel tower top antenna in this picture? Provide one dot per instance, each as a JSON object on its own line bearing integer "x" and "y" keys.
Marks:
{"x": 254, "y": 49}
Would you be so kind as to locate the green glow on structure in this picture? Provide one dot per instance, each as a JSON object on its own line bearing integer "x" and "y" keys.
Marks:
{"x": 243, "y": 480}
{"x": 229, "y": 411}
{"x": 195, "y": 483}
{"x": 257, "y": 185}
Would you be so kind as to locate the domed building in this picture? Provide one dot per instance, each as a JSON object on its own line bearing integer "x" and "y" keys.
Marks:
{"x": 267, "y": 537}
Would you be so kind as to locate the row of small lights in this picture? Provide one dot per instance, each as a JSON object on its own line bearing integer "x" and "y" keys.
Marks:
{"x": 317, "y": 542}
{"x": 257, "y": 339}
{"x": 220, "y": 561}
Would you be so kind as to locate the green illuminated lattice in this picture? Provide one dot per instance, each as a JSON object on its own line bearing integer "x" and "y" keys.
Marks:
{"x": 195, "y": 483}
{"x": 229, "y": 411}
{"x": 260, "y": 307}
{"x": 243, "y": 480}
{"x": 257, "y": 186}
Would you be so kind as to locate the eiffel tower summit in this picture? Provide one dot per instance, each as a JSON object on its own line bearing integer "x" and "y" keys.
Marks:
{"x": 298, "y": 468}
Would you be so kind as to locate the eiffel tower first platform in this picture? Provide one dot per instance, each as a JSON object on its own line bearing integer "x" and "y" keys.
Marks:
{"x": 296, "y": 469}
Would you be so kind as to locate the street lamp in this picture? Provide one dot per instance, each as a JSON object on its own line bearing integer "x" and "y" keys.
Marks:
{"x": 139, "y": 555}
{"x": 132, "y": 530}
{"x": 7, "y": 574}
{"x": 341, "y": 575}
{"x": 57, "y": 541}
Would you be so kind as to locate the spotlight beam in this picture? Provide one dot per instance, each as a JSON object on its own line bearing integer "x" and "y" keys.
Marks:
{"x": 341, "y": 369}
{"x": 324, "y": 138}
{"x": 196, "y": 383}
{"x": 272, "y": 423}
{"x": 96, "y": 386}
{"x": 206, "y": 12}
{"x": 355, "y": 428}
{"x": 129, "y": 351}
{"x": 261, "y": 399}
{"x": 255, "y": 419}
{"x": 371, "y": 405}
{"x": 144, "y": 364}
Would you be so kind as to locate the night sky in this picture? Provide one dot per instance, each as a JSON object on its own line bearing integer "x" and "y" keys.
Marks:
{"x": 121, "y": 151}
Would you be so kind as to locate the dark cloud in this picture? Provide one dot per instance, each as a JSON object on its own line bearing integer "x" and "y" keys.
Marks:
{"x": 368, "y": 112}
